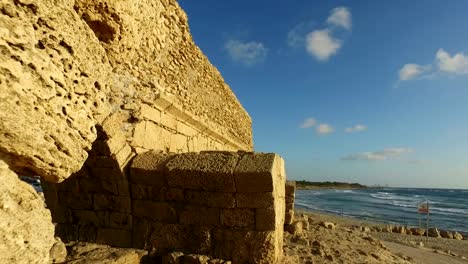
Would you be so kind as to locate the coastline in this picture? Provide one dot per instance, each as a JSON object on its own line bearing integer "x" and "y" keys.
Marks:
{"x": 443, "y": 248}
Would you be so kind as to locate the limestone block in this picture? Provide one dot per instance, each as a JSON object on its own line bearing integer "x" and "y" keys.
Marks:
{"x": 178, "y": 143}
{"x": 119, "y": 188}
{"x": 58, "y": 252}
{"x": 238, "y": 217}
{"x": 149, "y": 135}
{"x": 72, "y": 200}
{"x": 51, "y": 198}
{"x": 101, "y": 162}
{"x": 149, "y": 113}
{"x": 169, "y": 121}
{"x": 114, "y": 237}
{"x": 185, "y": 129}
{"x": 265, "y": 219}
{"x": 210, "y": 199}
{"x": 289, "y": 217}
{"x": 255, "y": 200}
{"x": 67, "y": 232}
{"x": 172, "y": 194}
{"x": 113, "y": 125}
{"x": 204, "y": 171}
{"x": 148, "y": 168}
{"x": 141, "y": 232}
{"x": 290, "y": 189}
{"x": 143, "y": 192}
{"x": 90, "y": 185}
{"x": 26, "y": 229}
{"x": 61, "y": 214}
{"x": 109, "y": 146}
{"x": 167, "y": 238}
{"x": 123, "y": 156}
{"x": 258, "y": 172}
{"x": 108, "y": 174}
{"x": 120, "y": 221}
{"x": 247, "y": 246}
{"x": 199, "y": 215}
{"x": 112, "y": 203}
{"x": 99, "y": 219}
{"x": 158, "y": 211}
{"x": 87, "y": 232}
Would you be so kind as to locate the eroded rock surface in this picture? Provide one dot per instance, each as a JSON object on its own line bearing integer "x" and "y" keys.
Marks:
{"x": 52, "y": 87}
{"x": 26, "y": 229}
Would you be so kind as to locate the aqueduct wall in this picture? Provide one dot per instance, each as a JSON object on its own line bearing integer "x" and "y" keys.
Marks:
{"x": 88, "y": 91}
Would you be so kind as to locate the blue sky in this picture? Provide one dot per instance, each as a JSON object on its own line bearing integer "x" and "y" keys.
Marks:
{"x": 374, "y": 92}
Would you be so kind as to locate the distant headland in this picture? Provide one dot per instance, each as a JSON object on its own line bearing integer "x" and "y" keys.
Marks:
{"x": 307, "y": 185}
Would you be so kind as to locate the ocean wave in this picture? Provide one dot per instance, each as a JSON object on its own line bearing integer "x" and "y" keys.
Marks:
{"x": 450, "y": 210}
{"x": 344, "y": 191}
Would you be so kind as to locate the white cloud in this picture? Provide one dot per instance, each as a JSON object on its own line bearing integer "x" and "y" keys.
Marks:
{"x": 324, "y": 129}
{"x": 410, "y": 71}
{"x": 340, "y": 17}
{"x": 388, "y": 153}
{"x": 248, "y": 53}
{"x": 458, "y": 63}
{"x": 444, "y": 63}
{"x": 321, "y": 44}
{"x": 308, "y": 123}
{"x": 356, "y": 128}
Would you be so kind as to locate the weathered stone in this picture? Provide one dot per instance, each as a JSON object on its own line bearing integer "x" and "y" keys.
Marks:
{"x": 172, "y": 258}
{"x": 204, "y": 171}
{"x": 248, "y": 246}
{"x": 433, "y": 232}
{"x": 120, "y": 221}
{"x": 51, "y": 105}
{"x": 195, "y": 259}
{"x": 200, "y": 215}
{"x": 289, "y": 217}
{"x": 158, "y": 211}
{"x": 26, "y": 229}
{"x": 328, "y": 225}
{"x": 255, "y": 200}
{"x": 210, "y": 199}
{"x": 168, "y": 238}
{"x": 112, "y": 203}
{"x": 446, "y": 234}
{"x": 238, "y": 217}
{"x": 90, "y": 253}
{"x": 258, "y": 173}
{"x": 457, "y": 236}
{"x": 81, "y": 201}
{"x": 148, "y": 168}
{"x": 418, "y": 231}
{"x": 265, "y": 219}
{"x": 295, "y": 228}
{"x": 58, "y": 252}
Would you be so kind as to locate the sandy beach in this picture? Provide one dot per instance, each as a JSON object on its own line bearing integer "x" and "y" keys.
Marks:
{"x": 349, "y": 240}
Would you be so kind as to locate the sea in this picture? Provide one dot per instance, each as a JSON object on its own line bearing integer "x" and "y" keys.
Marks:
{"x": 448, "y": 209}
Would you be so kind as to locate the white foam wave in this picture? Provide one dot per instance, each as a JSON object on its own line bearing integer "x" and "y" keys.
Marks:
{"x": 450, "y": 210}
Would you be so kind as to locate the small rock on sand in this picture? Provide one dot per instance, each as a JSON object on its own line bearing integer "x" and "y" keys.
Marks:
{"x": 328, "y": 225}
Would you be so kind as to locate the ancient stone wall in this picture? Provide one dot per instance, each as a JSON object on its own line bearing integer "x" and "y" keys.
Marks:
{"x": 229, "y": 205}
{"x": 290, "y": 189}
{"x": 87, "y": 85}
{"x": 72, "y": 64}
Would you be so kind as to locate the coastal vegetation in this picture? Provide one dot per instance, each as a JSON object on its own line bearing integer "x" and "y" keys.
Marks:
{"x": 306, "y": 185}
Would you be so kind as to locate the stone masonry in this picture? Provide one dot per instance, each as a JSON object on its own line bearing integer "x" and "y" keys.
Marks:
{"x": 230, "y": 205}
{"x": 290, "y": 189}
